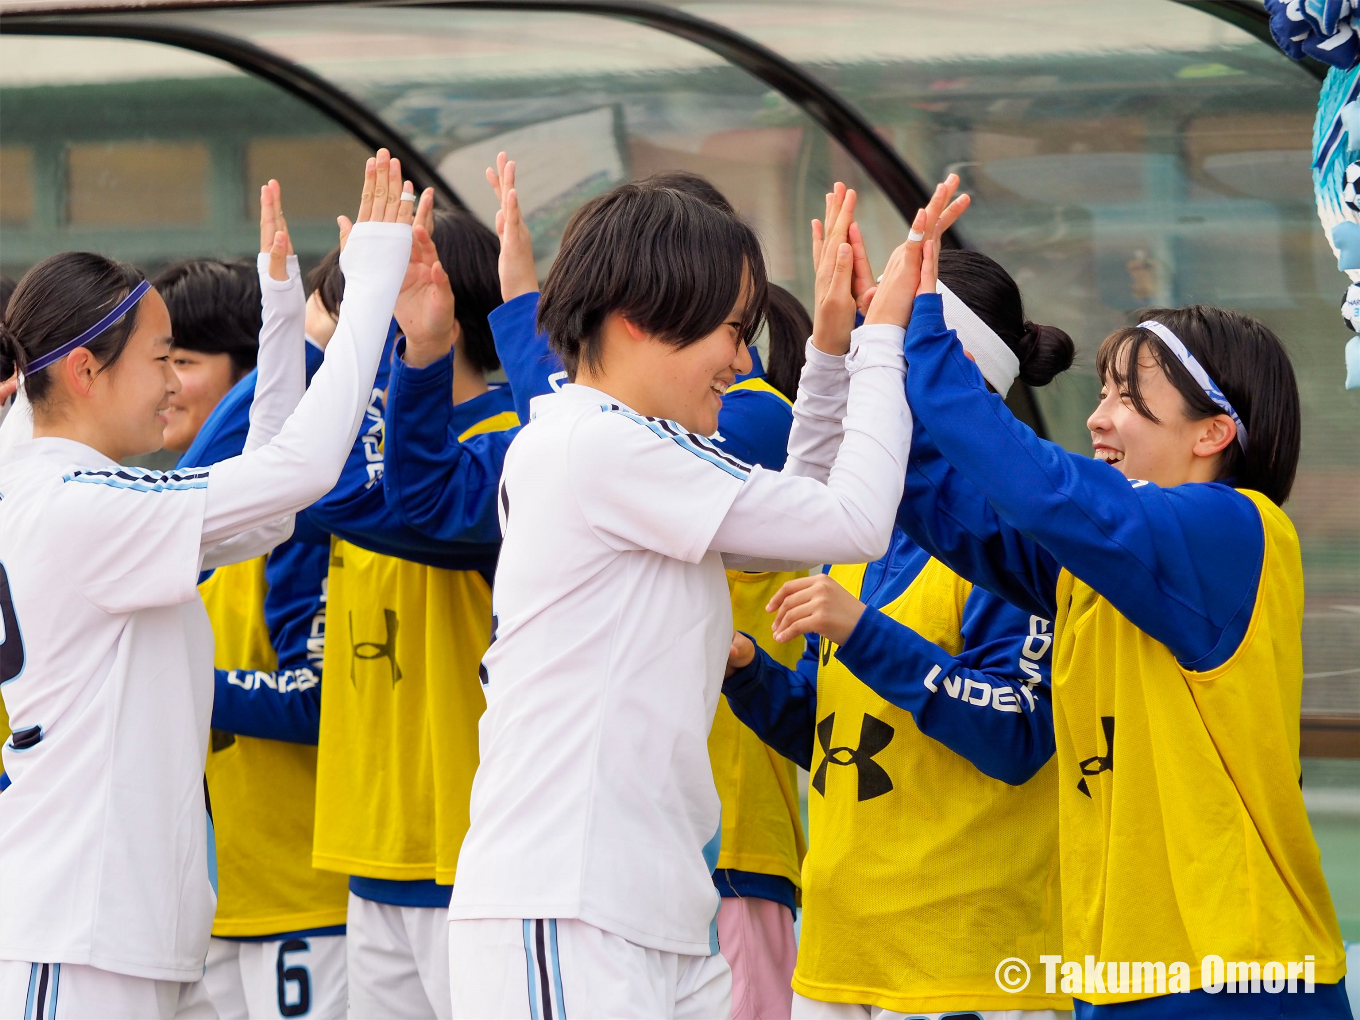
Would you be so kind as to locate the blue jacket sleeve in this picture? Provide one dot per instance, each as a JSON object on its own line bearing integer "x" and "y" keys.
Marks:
{"x": 990, "y": 704}
{"x": 433, "y": 482}
{"x": 356, "y": 511}
{"x": 950, "y": 518}
{"x": 779, "y": 704}
{"x": 1182, "y": 564}
{"x": 284, "y": 704}
{"x": 530, "y": 366}
{"x": 754, "y": 426}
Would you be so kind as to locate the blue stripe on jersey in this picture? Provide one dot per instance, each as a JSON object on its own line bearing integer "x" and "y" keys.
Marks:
{"x": 142, "y": 481}
{"x": 557, "y": 970}
{"x": 702, "y": 448}
{"x": 32, "y": 991}
{"x": 56, "y": 985}
{"x": 529, "y": 969}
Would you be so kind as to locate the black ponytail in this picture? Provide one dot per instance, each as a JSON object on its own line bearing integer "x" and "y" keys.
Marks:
{"x": 56, "y": 301}
{"x": 980, "y": 283}
{"x": 789, "y": 327}
{"x": 1252, "y": 368}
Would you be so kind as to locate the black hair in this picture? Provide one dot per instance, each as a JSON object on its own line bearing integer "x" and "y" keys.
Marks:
{"x": 1249, "y": 364}
{"x": 328, "y": 282}
{"x": 468, "y": 250}
{"x": 672, "y": 264}
{"x": 6, "y": 289}
{"x": 984, "y": 286}
{"x": 789, "y": 326}
{"x": 56, "y": 301}
{"x": 214, "y": 308}
{"x": 691, "y": 184}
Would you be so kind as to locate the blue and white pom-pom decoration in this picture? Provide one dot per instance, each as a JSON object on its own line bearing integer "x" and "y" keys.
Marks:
{"x": 1326, "y": 30}
{"x": 1321, "y": 29}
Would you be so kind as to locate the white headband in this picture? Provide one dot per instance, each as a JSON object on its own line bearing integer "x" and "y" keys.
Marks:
{"x": 1193, "y": 366}
{"x": 998, "y": 363}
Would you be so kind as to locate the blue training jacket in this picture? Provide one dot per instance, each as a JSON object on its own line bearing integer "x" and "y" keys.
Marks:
{"x": 1007, "y": 510}
{"x": 295, "y": 572}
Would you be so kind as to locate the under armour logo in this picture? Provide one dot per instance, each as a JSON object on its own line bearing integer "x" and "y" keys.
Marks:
{"x": 874, "y": 736}
{"x": 1101, "y": 762}
{"x": 387, "y": 649}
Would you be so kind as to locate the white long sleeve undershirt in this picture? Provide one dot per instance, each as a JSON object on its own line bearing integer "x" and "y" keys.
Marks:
{"x": 791, "y": 520}
{"x": 280, "y": 380}
{"x": 303, "y": 461}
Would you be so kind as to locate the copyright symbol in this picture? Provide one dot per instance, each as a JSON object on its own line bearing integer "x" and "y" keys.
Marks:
{"x": 1012, "y": 974}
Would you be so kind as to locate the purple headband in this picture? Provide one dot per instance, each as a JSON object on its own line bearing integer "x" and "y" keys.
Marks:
{"x": 122, "y": 308}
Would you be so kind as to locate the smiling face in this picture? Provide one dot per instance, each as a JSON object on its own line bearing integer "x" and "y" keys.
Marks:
{"x": 204, "y": 380}
{"x": 1173, "y": 450}
{"x": 132, "y": 398}
{"x": 698, "y": 375}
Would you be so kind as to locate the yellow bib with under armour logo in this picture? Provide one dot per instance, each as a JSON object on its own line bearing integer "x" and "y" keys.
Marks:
{"x": 399, "y": 718}
{"x": 1184, "y": 832}
{"x": 922, "y": 873}
{"x": 762, "y": 824}
{"x": 263, "y": 791}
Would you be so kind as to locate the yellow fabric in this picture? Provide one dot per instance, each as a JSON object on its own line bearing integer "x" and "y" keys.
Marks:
{"x": 1193, "y": 840}
{"x": 399, "y": 720}
{"x": 263, "y": 791}
{"x": 762, "y": 824}
{"x": 913, "y": 895}
{"x": 496, "y": 423}
{"x": 759, "y": 385}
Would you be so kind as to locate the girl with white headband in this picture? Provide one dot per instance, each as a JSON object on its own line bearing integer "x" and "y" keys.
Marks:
{"x": 1175, "y": 586}
{"x": 106, "y": 654}
{"x": 933, "y": 843}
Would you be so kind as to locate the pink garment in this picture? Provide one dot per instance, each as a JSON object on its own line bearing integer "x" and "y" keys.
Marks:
{"x": 756, "y": 938}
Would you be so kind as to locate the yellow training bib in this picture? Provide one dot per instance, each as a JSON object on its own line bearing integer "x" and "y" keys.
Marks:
{"x": 263, "y": 791}
{"x": 1183, "y": 826}
{"x": 762, "y": 824}
{"x": 399, "y": 720}
{"x": 922, "y": 873}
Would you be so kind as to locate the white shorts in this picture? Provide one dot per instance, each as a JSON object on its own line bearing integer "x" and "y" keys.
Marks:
{"x": 278, "y": 978}
{"x": 71, "y": 991}
{"x": 398, "y": 961}
{"x": 814, "y": 1009}
{"x": 504, "y": 969}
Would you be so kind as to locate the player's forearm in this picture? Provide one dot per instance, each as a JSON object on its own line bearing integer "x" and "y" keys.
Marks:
{"x": 787, "y": 519}
{"x": 304, "y": 460}
{"x": 283, "y": 704}
{"x": 779, "y": 704}
{"x": 530, "y": 366}
{"x": 818, "y": 415}
{"x": 281, "y": 368}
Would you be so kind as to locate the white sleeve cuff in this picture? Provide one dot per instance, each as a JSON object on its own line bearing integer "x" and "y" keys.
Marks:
{"x": 294, "y": 272}
{"x": 818, "y": 358}
{"x": 876, "y": 346}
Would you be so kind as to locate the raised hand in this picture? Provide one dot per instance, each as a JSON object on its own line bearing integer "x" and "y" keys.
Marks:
{"x": 516, "y": 263}
{"x": 274, "y": 239}
{"x": 902, "y": 277}
{"x": 381, "y": 200}
{"x": 425, "y": 305}
{"x": 833, "y": 314}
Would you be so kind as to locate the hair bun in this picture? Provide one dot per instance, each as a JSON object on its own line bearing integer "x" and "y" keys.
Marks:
{"x": 1044, "y": 351}
{"x": 12, "y": 357}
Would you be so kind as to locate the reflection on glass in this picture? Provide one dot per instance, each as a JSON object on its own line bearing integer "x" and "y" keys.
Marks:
{"x": 580, "y": 102}
{"x": 317, "y": 174}
{"x": 136, "y": 184}
{"x": 16, "y": 184}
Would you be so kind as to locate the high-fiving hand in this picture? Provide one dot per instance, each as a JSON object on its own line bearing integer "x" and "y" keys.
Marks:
{"x": 274, "y": 239}
{"x": 833, "y": 257}
{"x": 902, "y": 278}
{"x": 516, "y": 264}
{"x": 381, "y": 201}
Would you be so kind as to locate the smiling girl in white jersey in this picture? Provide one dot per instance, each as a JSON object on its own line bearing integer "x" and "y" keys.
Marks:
{"x": 106, "y": 652}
